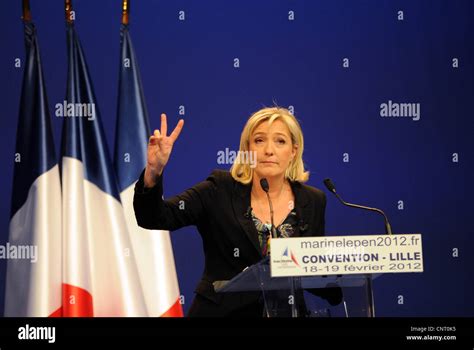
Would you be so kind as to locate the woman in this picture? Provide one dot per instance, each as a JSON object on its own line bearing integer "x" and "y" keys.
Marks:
{"x": 231, "y": 210}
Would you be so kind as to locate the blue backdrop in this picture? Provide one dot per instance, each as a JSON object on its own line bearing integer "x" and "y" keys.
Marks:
{"x": 300, "y": 63}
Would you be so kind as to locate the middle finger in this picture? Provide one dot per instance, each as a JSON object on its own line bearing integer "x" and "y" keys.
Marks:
{"x": 164, "y": 125}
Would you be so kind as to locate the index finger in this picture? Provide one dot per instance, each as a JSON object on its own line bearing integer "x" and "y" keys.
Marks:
{"x": 174, "y": 135}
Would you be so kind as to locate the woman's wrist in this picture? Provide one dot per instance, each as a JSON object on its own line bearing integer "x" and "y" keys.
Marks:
{"x": 151, "y": 176}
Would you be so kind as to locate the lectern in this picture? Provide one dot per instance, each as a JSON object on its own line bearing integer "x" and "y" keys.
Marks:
{"x": 301, "y": 296}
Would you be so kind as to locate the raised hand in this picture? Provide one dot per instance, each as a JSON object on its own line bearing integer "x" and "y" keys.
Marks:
{"x": 159, "y": 150}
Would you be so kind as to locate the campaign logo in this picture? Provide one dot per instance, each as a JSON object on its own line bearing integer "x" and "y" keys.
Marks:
{"x": 289, "y": 255}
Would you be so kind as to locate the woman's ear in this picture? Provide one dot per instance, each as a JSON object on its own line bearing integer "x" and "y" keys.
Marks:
{"x": 295, "y": 150}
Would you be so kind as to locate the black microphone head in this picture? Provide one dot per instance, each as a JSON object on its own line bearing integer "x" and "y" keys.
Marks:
{"x": 329, "y": 185}
{"x": 264, "y": 184}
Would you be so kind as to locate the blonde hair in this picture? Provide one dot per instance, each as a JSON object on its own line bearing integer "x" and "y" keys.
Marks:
{"x": 243, "y": 172}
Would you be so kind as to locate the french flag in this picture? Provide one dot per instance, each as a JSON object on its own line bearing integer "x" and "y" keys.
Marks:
{"x": 153, "y": 249}
{"x": 100, "y": 275}
{"x": 33, "y": 285}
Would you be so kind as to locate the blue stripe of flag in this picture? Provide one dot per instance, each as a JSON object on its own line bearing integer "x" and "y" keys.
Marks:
{"x": 132, "y": 128}
{"x": 35, "y": 153}
{"x": 82, "y": 137}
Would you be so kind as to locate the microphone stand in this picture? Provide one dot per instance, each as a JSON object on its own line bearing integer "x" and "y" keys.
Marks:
{"x": 330, "y": 186}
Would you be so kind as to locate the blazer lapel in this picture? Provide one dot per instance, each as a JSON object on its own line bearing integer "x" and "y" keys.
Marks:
{"x": 303, "y": 211}
{"x": 241, "y": 205}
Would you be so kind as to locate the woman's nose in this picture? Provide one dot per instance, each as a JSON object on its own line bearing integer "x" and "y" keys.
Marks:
{"x": 268, "y": 148}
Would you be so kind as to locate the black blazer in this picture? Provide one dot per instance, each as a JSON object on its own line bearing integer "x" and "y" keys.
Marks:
{"x": 219, "y": 208}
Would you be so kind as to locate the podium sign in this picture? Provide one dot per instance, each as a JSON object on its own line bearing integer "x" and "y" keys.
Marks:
{"x": 343, "y": 255}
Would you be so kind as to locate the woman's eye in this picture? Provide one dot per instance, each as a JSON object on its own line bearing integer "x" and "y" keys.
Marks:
{"x": 258, "y": 140}
{"x": 281, "y": 141}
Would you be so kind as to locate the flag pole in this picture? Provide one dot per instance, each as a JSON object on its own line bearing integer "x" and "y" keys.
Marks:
{"x": 26, "y": 11}
{"x": 125, "y": 11}
{"x": 68, "y": 9}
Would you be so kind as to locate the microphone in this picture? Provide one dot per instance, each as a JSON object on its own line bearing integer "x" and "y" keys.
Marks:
{"x": 330, "y": 186}
{"x": 265, "y": 186}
